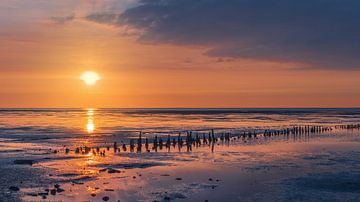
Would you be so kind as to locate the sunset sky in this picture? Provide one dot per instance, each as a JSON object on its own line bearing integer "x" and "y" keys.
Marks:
{"x": 180, "y": 53}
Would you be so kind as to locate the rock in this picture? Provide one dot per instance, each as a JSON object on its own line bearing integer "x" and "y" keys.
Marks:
{"x": 103, "y": 170}
{"x": 178, "y": 178}
{"x": 57, "y": 186}
{"x": 32, "y": 194}
{"x": 43, "y": 193}
{"x": 76, "y": 182}
{"x": 105, "y": 198}
{"x": 166, "y": 198}
{"x": 108, "y": 190}
{"x": 59, "y": 190}
{"x": 13, "y": 188}
{"x": 111, "y": 170}
{"x": 53, "y": 192}
{"x": 24, "y": 162}
{"x": 210, "y": 179}
{"x": 93, "y": 194}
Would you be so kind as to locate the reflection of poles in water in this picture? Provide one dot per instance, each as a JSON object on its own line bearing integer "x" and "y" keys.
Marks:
{"x": 180, "y": 142}
{"x": 115, "y": 147}
{"x": 189, "y": 141}
{"x": 168, "y": 143}
{"x": 155, "y": 144}
{"x": 213, "y": 136}
{"x": 227, "y": 138}
{"x": 197, "y": 140}
{"x": 161, "y": 144}
{"x": 174, "y": 142}
{"x": 210, "y": 140}
{"x": 204, "y": 139}
{"x": 147, "y": 145}
{"x": 139, "y": 146}
{"x": 212, "y": 146}
{"x": 124, "y": 146}
{"x": 132, "y": 146}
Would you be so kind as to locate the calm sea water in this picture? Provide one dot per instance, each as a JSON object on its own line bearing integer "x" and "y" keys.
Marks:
{"x": 278, "y": 166}
{"x": 57, "y": 125}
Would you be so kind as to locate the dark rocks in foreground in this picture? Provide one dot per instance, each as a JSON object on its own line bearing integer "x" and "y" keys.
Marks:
{"x": 13, "y": 188}
{"x": 24, "y": 162}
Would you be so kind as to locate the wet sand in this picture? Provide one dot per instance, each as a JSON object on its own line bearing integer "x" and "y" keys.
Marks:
{"x": 318, "y": 167}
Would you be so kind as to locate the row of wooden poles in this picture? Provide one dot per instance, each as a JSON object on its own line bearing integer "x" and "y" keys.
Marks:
{"x": 195, "y": 140}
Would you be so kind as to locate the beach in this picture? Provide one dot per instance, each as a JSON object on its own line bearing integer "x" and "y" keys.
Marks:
{"x": 225, "y": 154}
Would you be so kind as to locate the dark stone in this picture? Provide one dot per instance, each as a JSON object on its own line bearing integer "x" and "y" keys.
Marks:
{"x": 53, "y": 192}
{"x": 93, "y": 194}
{"x": 111, "y": 170}
{"x": 13, "y": 188}
{"x": 105, "y": 198}
{"x": 32, "y": 194}
{"x": 24, "y": 162}
{"x": 59, "y": 190}
{"x": 57, "y": 186}
{"x": 178, "y": 178}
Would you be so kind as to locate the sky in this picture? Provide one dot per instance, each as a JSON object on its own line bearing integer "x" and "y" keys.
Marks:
{"x": 180, "y": 53}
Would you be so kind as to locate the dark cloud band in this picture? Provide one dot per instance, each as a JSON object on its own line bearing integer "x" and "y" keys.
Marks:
{"x": 321, "y": 33}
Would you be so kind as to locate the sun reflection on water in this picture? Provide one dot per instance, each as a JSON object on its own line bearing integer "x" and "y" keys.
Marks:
{"x": 90, "y": 126}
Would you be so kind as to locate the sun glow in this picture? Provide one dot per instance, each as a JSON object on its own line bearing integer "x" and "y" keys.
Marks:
{"x": 90, "y": 78}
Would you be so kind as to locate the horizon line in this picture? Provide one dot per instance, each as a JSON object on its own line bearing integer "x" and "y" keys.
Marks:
{"x": 1, "y": 108}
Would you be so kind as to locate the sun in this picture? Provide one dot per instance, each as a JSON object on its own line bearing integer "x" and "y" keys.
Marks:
{"x": 90, "y": 78}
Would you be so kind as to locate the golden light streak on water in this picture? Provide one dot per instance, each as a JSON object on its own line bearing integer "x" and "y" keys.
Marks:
{"x": 90, "y": 126}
